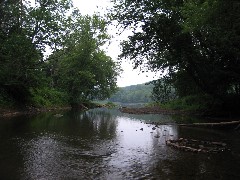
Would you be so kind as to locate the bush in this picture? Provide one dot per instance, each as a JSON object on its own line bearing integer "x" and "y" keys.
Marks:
{"x": 47, "y": 97}
{"x": 191, "y": 103}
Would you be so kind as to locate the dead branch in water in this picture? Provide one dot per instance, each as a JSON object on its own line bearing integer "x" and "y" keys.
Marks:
{"x": 235, "y": 124}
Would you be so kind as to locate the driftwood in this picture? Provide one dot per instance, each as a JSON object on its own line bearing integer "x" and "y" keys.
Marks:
{"x": 193, "y": 145}
{"x": 230, "y": 124}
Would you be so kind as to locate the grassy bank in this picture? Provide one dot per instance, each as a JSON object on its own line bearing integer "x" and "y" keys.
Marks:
{"x": 40, "y": 100}
{"x": 197, "y": 104}
{"x": 204, "y": 105}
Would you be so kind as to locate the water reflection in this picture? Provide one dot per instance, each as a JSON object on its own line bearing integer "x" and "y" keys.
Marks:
{"x": 107, "y": 144}
{"x": 69, "y": 147}
{"x": 97, "y": 144}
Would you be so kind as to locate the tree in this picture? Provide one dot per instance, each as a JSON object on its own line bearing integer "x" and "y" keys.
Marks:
{"x": 215, "y": 34}
{"x": 84, "y": 70}
{"x": 78, "y": 67}
{"x": 163, "y": 91}
{"x": 25, "y": 32}
{"x": 189, "y": 40}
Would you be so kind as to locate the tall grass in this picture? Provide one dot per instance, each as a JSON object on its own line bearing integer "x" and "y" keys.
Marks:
{"x": 191, "y": 103}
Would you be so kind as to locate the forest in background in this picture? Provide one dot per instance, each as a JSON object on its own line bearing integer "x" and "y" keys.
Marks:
{"x": 140, "y": 93}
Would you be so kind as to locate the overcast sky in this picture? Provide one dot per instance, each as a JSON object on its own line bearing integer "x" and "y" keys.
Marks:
{"x": 129, "y": 76}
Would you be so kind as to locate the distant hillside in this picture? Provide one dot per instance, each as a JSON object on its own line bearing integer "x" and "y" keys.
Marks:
{"x": 140, "y": 93}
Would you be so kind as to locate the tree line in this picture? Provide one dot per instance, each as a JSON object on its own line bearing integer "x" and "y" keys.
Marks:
{"x": 195, "y": 44}
{"x": 140, "y": 93}
{"x": 77, "y": 68}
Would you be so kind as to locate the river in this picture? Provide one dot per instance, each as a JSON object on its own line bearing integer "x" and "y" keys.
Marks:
{"x": 107, "y": 144}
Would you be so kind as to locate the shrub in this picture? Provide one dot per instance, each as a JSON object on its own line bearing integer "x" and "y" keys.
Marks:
{"x": 191, "y": 103}
{"x": 47, "y": 97}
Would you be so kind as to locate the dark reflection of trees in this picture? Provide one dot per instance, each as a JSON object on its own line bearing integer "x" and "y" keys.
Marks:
{"x": 10, "y": 158}
{"x": 86, "y": 124}
{"x": 104, "y": 123}
{"x": 75, "y": 139}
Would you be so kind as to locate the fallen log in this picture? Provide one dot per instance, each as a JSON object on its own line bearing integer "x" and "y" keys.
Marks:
{"x": 193, "y": 145}
{"x": 230, "y": 124}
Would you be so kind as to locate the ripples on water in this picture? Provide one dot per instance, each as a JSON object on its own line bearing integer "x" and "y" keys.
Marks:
{"x": 106, "y": 144}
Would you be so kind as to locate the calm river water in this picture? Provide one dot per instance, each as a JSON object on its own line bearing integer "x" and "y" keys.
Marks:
{"x": 107, "y": 144}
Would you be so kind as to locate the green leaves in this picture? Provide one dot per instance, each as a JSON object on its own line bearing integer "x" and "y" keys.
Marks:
{"x": 85, "y": 71}
{"x": 25, "y": 32}
{"x": 196, "y": 42}
{"x": 45, "y": 20}
{"x": 78, "y": 68}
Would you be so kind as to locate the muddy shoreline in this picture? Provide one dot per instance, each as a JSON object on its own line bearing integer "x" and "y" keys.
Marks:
{"x": 12, "y": 112}
{"x": 218, "y": 116}
{"x": 9, "y": 113}
{"x": 153, "y": 110}
{"x": 213, "y": 122}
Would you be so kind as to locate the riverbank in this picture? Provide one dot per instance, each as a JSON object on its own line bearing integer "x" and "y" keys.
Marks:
{"x": 12, "y": 112}
{"x": 153, "y": 110}
{"x": 218, "y": 115}
{"x": 213, "y": 122}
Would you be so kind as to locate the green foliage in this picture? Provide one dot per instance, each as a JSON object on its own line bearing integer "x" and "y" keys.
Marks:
{"x": 192, "y": 103}
{"x": 163, "y": 91}
{"x": 81, "y": 68}
{"x": 140, "y": 93}
{"x": 25, "y": 31}
{"x": 77, "y": 71}
{"x": 195, "y": 44}
{"x": 46, "y": 97}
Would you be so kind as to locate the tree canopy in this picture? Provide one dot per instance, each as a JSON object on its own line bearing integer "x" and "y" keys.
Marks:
{"x": 83, "y": 69}
{"x": 195, "y": 43}
{"x": 77, "y": 67}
